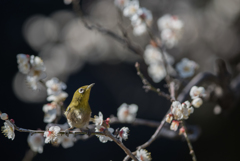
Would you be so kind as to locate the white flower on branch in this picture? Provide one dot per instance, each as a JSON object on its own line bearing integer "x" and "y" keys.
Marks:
{"x": 121, "y": 3}
{"x": 103, "y": 138}
{"x": 169, "y": 118}
{"x": 174, "y": 125}
{"x": 55, "y": 86}
{"x": 23, "y": 63}
{"x": 152, "y": 55}
{"x": 98, "y": 120}
{"x": 186, "y": 68}
{"x": 131, "y": 8}
{"x": 58, "y": 98}
{"x": 139, "y": 29}
{"x": 4, "y": 116}
{"x": 143, "y": 155}
{"x": 197, "y": 102}
{"x": 52, "y": 134}
{"x": 67, "y": 141}
{"x": 36, "y": 142}
{"x": 51, "y": 110}
{"x": 177, "y": 110}
{"x": 123, "y": 133}
{"x": 171, "y": 28}
{"x": 157, "y": 72}
{"x": 32, "y": 82}
{"x": 181, "y": 111}
{"x": 8, "y": 129}
{"x": 37, "y": 63}
{"x": 127, "y": 113}
{"x": 169, "y": 22}
{"x": 196, "y": 92}
{"x": 187, "y": 109}
{"x": 143, "y": 16}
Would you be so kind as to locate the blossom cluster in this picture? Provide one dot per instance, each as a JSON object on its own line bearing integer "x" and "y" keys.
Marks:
{"x": 141, "y": 18}
{"x": 171, "y": 29}
{"x": 182, "y": 111}
{"x": 33, "y": 67}
{"x": 57, "y": 96}
{"x": 155, "y": 59}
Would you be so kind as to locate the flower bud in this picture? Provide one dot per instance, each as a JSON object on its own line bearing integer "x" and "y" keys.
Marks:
{"x": 197, "y": 102}
{"x": 169, "y": 118}
{"x": 174, "y": 125}
{"x": 181, "y": 130}
{"x": 4, "y": 116}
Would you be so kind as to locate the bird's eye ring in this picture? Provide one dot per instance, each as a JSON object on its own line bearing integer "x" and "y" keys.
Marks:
{"x": 81, "y": 90}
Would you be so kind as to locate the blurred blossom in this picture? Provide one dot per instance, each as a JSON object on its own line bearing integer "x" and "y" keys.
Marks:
{"x": 171, "y": 29}
{"x": 157, "y": 72}
{"x": 196, "y": 92}
{"x": 121, "y": 3}
{"x": 36, "y": 142}
{"x": 186, "y": 68}
{"x": 139, "y": 29}
{"x": 55, "y": 86}
{"x": 39, "y": 30}
{"x": 127, "y": 113}
{"x": 23, "y": 63}
{"x": 131, "y": 8}
{"x": 67, "y": 141}
{"x": 197, "y": 102}
{"x": 67, "y": 2}
{"x": 174, "y": 125}
{"x": 51, "y": 110}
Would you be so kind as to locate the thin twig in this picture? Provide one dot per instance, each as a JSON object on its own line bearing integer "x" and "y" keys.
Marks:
{"x": 132, "y": 47}
{"x": 189, "y": 144}
{"x": 147, "y": 86}
{"x": 119, "y": 143}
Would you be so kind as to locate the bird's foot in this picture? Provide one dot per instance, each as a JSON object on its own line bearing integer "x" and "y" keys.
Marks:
{"x": 66, "y": 132}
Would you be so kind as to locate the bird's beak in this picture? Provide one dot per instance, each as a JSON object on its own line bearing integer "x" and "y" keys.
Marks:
{"x": 90, "y": 86}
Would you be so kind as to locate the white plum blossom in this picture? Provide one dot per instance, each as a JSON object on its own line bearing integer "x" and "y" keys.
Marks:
{"x": 32, "y": 82}
{"x": 152, "y": 55}
{"x": 174, "y": 125}
{"x": 123, "y": 133}
{"x": 177, "y": 110}
{"x": 51, "y": 110}
{"x": 103, "y": 138}
{"x": 171, "y": 29}
{"x": 67, "y": 141}
{"x": 121, "y": 3}
{"x": 170, "y": 38}
{"x": 127, "y": 113}
{"x": 98, "y": 120}
{"x": 23, "y": 63}
{"x": 54, "y": 86}
{"x": 181, "y": 111}
{"x": 139, "y": 29}
{"x": 58, "y": 98}
{"x": 4, "y": 116}
{"x": 169, "y": 118}
{"x": 186, "y": 68}
{"x": 8, "y": 129}
{"x": 169, "y": 22}
{"x": 143, "y": 155}
{"x": 187, "y": 109}
{"x": 36, "y": 142}
{"x": 196, "y": 92}
{"x": 52, "y": 134}
{"x": 37, "y": 63}
{"x": 143, "y": 16}
{"x": 131, "y": 8}
{"x": 157, "y": 72}
{"x": 197, "y": 102}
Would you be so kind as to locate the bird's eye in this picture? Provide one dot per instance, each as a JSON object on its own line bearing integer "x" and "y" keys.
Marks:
{"x": 81, "y": 90}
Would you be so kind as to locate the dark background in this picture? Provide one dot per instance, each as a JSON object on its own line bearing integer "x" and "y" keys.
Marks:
{"x": 115, "y": 84}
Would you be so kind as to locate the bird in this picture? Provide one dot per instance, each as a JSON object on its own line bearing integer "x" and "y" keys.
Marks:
{"x": 78, "y": 112}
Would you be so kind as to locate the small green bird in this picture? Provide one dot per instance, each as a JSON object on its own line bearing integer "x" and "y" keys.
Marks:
{"x": 78, "y": 112}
